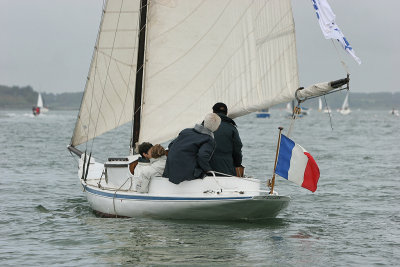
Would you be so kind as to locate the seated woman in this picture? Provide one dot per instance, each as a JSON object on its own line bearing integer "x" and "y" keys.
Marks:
{"x": 144, "y": 173}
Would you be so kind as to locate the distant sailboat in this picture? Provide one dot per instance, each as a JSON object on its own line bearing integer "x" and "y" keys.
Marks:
{"x": 39, "y": 108}
{"x": 327, "y": 109}
{"x": 394, "y": 112}
{"x": 319, "y": 104}
{"x": 345, "y": 110}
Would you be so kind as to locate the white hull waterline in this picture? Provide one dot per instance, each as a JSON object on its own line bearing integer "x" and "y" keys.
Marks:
{"x": 211, "y": 198}
{"x": 345, "y": 111}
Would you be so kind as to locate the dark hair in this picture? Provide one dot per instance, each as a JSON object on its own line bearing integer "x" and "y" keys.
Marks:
{"x": 220, "y": 108}
{"x": 144, "y": 148}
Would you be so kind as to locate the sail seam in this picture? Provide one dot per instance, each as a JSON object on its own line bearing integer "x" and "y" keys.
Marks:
{"x": 179, "y": 22}
{"x": 100, "y": 113}
{"x": 197, "y": 42}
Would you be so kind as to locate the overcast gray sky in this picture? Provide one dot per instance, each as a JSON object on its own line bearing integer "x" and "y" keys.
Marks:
{"x": 48, "y": 44}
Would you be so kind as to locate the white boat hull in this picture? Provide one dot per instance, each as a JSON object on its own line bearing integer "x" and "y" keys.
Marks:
{"x": 345, "y": 111}
{"x": 211, "y": 198}
{"x": 194, "y": 208}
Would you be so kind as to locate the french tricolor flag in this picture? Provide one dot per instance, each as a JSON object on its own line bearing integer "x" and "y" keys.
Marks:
{"x": 297, "y": 165}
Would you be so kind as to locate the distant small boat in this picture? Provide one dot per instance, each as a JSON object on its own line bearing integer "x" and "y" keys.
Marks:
{"x": 327, "y": 109}
{"x": 394, "y": 112}
{"x": 303, "y": 111}
{"x": 345, "y": 110}
{"x": 264, "y": 113}
{"x": 39, "y": 108}
{"x": 319, "y": 104}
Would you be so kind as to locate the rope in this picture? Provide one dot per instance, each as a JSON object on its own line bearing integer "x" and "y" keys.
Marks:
{"x": 115, "y": 194}
{"x": 345, "y": 67}
{"x": 215, "y": 179}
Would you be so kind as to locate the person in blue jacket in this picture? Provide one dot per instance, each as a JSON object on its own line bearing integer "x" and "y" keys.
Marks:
{"x": 228, "y": 152}
{"x": 190, "y": 153}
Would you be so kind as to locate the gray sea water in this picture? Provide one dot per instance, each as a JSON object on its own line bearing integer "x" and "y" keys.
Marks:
{"x": 353, "y": 219}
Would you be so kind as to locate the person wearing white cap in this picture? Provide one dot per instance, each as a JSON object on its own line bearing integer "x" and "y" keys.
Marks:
{"x": 190, "y": 153}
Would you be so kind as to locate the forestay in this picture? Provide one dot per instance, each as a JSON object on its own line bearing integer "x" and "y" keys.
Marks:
{"x": 108, "y": 98}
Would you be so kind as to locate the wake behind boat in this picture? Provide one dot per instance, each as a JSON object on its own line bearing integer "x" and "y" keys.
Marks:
{"x": 186, "y": 58}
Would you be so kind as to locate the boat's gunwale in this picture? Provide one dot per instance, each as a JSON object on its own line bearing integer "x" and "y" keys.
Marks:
{"x": 140, "y": 196}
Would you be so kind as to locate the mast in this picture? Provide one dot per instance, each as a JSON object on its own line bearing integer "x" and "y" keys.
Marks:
{"x": 139, "y": 73}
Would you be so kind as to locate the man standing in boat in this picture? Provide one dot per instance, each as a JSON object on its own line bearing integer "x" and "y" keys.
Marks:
{"x": 190, "y": 153}
{"x": 228, "y": 152}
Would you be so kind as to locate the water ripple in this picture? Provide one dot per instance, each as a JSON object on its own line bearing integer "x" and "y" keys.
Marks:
{"x": 351, "y": 220}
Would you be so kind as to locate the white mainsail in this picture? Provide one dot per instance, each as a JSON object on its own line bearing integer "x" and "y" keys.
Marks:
{"x": 198, "y": 52}
{"x": 242, "y": 53}
{"x": 109, "y": 93}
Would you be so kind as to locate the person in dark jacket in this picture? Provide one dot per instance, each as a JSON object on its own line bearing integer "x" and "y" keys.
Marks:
{"x": 228, "y": 152}
{"x": 190, "y": 153}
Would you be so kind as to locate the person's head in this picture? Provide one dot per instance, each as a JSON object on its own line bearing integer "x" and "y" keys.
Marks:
{"x": 157, "y": 151}
{"x": 144, "y": 149}
{"x": 220, "y": 108}
{"x": 212, "y": 121}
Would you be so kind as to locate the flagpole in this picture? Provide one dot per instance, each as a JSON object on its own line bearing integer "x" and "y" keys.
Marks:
{"x": 276, "y": 160}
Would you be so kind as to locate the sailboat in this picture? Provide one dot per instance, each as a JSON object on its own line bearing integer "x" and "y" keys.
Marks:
{"x": 39, "y": 108}
{"x": 326, "y": 109}
{"x": 345, "y": 110}
{"x": 162, "y": 65}
{"x": 394, "y": 112}
{"x": 319, "y": 104}
{"x": 264, "y": 113}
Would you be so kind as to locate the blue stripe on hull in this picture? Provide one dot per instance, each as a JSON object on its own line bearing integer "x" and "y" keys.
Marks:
{"x": 137, "y": 197}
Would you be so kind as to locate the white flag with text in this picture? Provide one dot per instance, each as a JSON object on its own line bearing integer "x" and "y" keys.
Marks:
{"x": 326, "y": 19}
